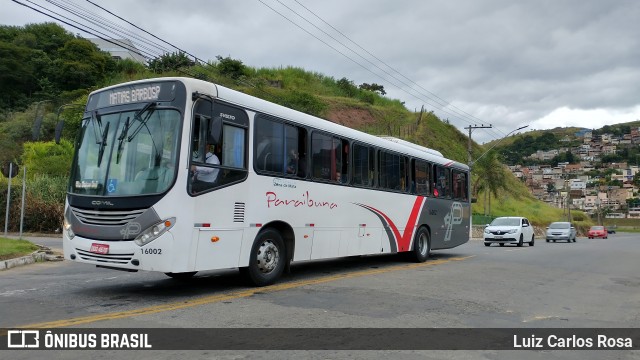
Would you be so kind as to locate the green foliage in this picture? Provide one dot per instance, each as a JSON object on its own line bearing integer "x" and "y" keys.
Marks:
{"x": 347, "y": 87}
{"x": 446, "y": 138}
{"x": 230, "y": 67}
{"x": 80, "y": 65}
{"x": 304, "y": 102}
{"x": 566, "y": 156}
{"x": 373, "y": 87}
{"x": 129, "y": 68}
{"x": 170, "y": 62}
{"x": 44, "y": 202}
{"x": 48, "y": 158}
{"x": 42, "y": 61}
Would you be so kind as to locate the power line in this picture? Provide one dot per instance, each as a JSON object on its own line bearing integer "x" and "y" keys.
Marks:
{"x": 113, "y": 41}
{"x": 351, "y": 59}
{"x": 105, "y": 23}
{"x": 441, "y": 104}
{"x": 136, "y": 51}
{"x": 446, "y": 103}
{"x": 141, "y": 29}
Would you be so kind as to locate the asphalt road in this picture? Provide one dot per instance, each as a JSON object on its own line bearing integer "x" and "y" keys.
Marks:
{"x": 588, "y": 284}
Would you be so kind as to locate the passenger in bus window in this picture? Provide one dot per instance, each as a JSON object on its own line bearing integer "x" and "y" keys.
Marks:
{"x": 294, "y": 162}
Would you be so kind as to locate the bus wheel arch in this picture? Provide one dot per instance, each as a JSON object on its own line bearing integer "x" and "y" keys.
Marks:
{"x": 270, "y": 254}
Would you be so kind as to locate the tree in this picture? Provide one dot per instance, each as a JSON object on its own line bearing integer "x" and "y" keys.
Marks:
{"x": 373, "y": 87}
{"x": 170, "y": 62}
{"x": 229, "y": 67}
{"x": 489, "y": 176}
{"x": 80, "y": 65}
{"x": 42, "y": 61}
{"x": 347, "y": 86}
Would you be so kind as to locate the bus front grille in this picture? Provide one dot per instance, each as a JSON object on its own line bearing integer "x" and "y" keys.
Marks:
{"x": 101, "y": 217}
{"x": 105, "y": 258}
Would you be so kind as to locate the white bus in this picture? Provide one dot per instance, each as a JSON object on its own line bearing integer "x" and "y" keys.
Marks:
{"x": 284, "y": 186}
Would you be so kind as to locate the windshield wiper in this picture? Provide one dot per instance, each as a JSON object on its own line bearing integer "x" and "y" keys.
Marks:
{"x": 103, "y": 143}
{"x": 150, "y": 108}
{"x": 123, "y": 135}
{"x": 95, "y": 118}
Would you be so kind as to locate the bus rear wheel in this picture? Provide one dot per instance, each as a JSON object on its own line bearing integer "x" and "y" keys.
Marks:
{"x": 421, "y": 246}
{"x": 267, "y": 258}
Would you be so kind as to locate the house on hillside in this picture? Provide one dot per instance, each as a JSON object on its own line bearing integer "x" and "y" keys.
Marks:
{"x": 125, "y": 50}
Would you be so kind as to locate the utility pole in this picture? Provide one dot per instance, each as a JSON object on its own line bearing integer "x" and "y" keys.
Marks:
{"x": 471, "y": 128}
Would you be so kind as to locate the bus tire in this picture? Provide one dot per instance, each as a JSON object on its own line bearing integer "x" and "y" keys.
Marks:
{"x": 267, "y": 259}
{"x": 182, "y": 275}
{"x": 421, "y": 245}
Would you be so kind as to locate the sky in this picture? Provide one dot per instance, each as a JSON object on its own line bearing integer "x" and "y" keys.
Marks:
{"x": 542, "y": 63}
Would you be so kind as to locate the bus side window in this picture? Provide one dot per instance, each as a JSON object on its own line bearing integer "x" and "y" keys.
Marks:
{"x": 345, "y": 162}
{"x": 361, "y": 165}
{"x": 442, "y": 179}
{"x": 422, "y": 178}
{"x": 269, "y": 139}
{"x": 459, "y": 185}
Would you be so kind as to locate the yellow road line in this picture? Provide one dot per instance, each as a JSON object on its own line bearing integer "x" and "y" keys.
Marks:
{"x": 228, "y": 296}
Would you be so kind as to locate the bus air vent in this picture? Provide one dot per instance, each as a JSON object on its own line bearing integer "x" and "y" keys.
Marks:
{"x": 238, "y": 212}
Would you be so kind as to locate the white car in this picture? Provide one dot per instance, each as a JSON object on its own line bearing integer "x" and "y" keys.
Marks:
{"x": 509, "y": 230}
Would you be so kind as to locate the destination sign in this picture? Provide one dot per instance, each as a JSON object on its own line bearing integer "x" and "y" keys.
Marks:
{"x": 126, "y": 96}
{"x": 159, "y": 91}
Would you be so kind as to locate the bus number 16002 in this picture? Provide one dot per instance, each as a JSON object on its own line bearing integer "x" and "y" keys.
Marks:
{"x": 151, "y": 251}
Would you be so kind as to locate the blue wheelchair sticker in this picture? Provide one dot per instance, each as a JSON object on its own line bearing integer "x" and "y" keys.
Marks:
{"x": 112, "y": 185}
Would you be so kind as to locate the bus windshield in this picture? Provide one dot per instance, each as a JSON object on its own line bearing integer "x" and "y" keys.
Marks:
{"x": 132, "y": 152}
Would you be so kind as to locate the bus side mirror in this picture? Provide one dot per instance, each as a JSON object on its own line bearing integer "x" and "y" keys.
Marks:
{"x": 215, "y": 130}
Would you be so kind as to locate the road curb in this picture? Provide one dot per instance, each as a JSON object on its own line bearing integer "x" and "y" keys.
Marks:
{"x": 44, "y": 254}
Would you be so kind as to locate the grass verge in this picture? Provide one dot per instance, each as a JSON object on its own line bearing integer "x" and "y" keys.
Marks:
{"x": 12, "y": 248}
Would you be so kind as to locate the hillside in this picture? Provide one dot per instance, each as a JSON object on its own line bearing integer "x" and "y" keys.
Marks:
{"x": 340, "y": 101}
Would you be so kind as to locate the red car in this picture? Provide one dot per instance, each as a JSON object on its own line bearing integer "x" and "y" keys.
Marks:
{"x": 597, "y": 232}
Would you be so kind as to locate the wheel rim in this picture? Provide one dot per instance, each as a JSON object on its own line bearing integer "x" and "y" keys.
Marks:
{"x": 268, "y": 257}
{"x": 423, "y": 244}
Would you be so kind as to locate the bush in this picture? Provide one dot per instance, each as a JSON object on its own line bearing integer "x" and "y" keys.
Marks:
{"x": 48, "y": 158}
{"x": 304, "y": 102}
{"x": 44, "y": 203}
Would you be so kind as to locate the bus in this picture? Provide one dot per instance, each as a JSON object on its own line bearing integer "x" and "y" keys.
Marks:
{"x": 283, "y": 186}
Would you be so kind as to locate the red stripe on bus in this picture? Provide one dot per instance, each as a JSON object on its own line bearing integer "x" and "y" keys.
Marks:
{"x": 403, "y": 240}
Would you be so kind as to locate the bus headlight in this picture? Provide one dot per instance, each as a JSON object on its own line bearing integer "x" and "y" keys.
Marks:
{"x": 154, "y": 232}
{"x": 67, "y": 227}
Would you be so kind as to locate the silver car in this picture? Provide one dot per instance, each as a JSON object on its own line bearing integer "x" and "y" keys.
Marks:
{"x": 561, "y": 231}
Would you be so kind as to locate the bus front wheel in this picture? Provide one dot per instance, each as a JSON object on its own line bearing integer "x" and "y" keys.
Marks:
{"x": 421, "y": 246}
{"x": 267, "y": 258}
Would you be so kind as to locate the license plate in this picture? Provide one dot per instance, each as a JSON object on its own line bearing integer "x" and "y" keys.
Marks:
{"x": 99, "y": 248}
{"x": 498, "y": 236}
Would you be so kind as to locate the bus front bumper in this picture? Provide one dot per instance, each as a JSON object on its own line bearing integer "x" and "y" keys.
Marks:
{"x": 123, "y": 255}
